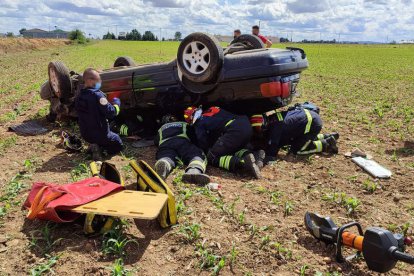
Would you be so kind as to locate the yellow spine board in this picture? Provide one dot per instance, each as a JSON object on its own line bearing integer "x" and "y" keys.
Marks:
{"x": 109, "y": 168}
{"x": 148, "y": 180}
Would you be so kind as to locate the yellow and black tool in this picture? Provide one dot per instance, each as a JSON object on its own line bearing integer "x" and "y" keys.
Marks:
{"x": 98, "y": 223}
{"x": 149, "y": 181}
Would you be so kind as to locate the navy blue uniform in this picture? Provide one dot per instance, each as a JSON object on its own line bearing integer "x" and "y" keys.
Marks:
{"x": 174, "y": 144}
{"x": 297, "y": 128}
{"x": 94, "y": 111}
{"x": 223, "y": 135}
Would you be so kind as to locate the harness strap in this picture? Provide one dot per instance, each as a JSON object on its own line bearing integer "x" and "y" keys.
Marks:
{"x": 40, "y": 203}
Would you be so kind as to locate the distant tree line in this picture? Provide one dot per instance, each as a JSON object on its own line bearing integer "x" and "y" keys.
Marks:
{"x": 320, "y": 41}
{"x": 135, "y": 35}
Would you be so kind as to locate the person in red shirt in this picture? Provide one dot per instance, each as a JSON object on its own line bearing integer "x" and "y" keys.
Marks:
{"x": 256, "y": 32}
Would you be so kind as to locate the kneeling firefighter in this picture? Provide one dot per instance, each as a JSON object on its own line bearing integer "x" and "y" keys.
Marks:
{"x": 224, "y": 136}
{"x": 94, "y": 111}
{"x": 299, "y": 127}
{"x": 174, "y": 145}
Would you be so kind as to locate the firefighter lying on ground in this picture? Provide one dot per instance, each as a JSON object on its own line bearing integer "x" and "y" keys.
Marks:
{"x": 93, "y": 111}
{"x": 299, "y": 127}
{"x": 143, "y": 125}
{"x": 224, "y": 136}
{"x": 174, "y": 145}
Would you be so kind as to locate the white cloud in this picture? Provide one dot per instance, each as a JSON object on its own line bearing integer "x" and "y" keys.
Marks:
{"x": 352, "y": 19}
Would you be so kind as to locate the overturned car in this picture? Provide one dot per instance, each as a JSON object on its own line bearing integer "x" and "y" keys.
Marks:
{"x": 244, "y": 78}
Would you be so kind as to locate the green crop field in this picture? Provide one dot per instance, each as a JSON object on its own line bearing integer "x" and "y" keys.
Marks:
{"x": 365, "y": 92}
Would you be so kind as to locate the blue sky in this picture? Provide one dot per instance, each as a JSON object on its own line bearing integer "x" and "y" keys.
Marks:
{"x": 353, "y": 20}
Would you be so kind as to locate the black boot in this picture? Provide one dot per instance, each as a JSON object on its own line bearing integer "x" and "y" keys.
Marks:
{"x": 248, "y": 165}
{"x": 329, "y": 145}
{"x": 259, "y": 157}
{"x": 333, "y": 134}
{"x": 196, "y": 176}
{"x": 96, "y": 152}
{"x": 163, "y": 168}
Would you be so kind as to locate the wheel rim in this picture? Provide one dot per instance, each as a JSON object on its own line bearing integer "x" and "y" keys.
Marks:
{"x": 54, "y": 81}
{"x": 196, "y": 57}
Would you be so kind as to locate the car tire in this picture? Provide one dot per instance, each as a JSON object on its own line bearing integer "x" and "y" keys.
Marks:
{"x": 251, "y": 41}
{"x": 200, "y": 57}
{"x": 59, "y": 80}
{"x": 124, "y": 61}
{"x": 197, "y": 88}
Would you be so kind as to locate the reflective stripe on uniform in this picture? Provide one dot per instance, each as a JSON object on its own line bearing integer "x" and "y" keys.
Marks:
{"x": 306, "y": 145}
{"x": 321, "y": 136}
{"x": 317, "y": 148}
{"x": 309, "y": 123}
{"x": 182, "y": 135}
{"x": 240, "y": 153}
{"x": 198, "y": 163}
{"x": 279, "y": 116}
{"x": 256, "y": 120}
{"x": 229, "y": 122}
{"x": 117, "y": 109}
{"x": 224, "y": 162}
{"x": 123, "y": 130}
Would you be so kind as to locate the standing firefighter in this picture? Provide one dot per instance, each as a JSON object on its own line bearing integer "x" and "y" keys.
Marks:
{"x": 299, "y": 128}
{"x": 224, "y": 136}
{"x": 174, "y": 145}
{"x": 94, "y": 111}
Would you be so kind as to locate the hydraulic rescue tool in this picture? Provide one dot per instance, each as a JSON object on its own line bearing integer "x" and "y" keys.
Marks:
{"x": 381, "y": 248}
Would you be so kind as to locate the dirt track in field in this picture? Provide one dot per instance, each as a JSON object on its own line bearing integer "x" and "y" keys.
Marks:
{"x": 246, "y": 215}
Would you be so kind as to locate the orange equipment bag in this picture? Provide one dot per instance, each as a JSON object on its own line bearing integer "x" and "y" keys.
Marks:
{"x": 53, "y": 202}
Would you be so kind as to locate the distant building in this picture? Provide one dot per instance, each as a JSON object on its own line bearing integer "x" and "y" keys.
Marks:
{"x": 39, "y": 33}
{"x": 411, "y": 41}
{"x": 228, "y": 38}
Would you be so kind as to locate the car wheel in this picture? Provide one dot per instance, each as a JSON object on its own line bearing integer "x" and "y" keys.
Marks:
{"x": 59, "y": 80}
{"x": 124, "y": 61}
{"x": 251, "y": 41}
{"x": 200, "y": 57}
{"x": 197, "y": 88}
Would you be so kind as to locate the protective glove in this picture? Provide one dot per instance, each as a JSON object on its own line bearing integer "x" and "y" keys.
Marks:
{"x": 116, "y": 101}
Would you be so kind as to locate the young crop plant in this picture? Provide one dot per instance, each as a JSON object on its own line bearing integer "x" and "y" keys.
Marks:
{"x": 79, "y": 172}
{"x": 219, "y": 266}
{"x": 241, "y": 217}
{"x": 275, "y": 197}
{"x": 45, "y": 267}
{"x": 349, "y": 203}
{"x": 232, "y": 206}
{"x": 209, "y": 260}
{"x": 369, "y": 186}
{"x": 281, "y": 250}
{"x": 43, "y": 240}
{"x": 405, "y": 228}
{"x": 233, "y": 255}
{"x": 118, "y": 268}
{"x": 115, "y": 241}
{"x": 265, "y": 241}
{"x": 190, "y": 232}
{"x": 288, "y": 208}
{"x": 303, "y": 269}
{"x": 11, "y": 190}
